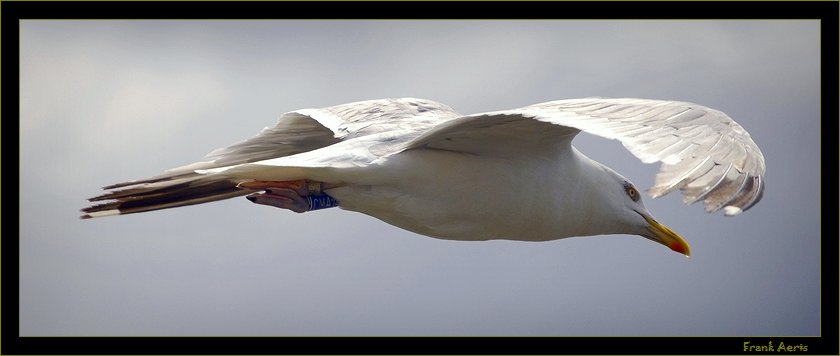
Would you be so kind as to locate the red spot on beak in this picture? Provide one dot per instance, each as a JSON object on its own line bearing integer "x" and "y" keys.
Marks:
{"x": 677, "y": 247}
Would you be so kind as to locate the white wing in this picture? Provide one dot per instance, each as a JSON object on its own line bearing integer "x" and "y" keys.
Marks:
{"x": 296, "y": 132}
{"x": 310, "y": 129}
{"x": 703, "y": 151}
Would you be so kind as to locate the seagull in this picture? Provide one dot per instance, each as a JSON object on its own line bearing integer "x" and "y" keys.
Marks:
{"x": 511, "y": 174}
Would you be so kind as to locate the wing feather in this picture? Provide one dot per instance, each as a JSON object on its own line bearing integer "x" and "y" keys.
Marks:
{"x": 722, "y": 165}
{"x": 704, "y": 153}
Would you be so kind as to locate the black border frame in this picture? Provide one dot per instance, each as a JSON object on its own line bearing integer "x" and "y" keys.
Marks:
{"x": 12, "y": 12}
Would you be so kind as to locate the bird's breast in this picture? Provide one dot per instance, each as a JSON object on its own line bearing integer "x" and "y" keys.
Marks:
{"x": 458, "y": 196}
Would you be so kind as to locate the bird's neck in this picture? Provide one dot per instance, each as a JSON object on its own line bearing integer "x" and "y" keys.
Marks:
{"x": 586, "y": 202}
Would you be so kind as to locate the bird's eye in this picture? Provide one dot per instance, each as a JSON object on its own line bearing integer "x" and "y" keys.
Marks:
{"x": 631, "y": 191}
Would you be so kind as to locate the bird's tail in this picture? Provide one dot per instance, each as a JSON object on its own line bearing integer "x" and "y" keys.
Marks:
{"x": 163, "y": 192}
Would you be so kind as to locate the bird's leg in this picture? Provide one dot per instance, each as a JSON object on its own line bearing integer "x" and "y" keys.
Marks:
{"x": 283, "y": 198}
{"x": 296, "y": 195}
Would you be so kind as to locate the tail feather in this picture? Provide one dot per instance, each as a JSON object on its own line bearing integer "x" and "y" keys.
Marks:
{"x": 144, "y": 189}
{"x": 155, "y": 179}
{"x": 162, "y": 193}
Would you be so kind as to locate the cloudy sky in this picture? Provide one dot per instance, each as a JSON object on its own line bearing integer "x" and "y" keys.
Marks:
{"x": 109, "y": 101}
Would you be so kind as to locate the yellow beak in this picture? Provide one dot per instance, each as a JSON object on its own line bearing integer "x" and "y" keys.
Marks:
{"x": 662, "y": 234}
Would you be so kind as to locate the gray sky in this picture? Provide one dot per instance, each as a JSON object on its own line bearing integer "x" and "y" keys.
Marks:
{"x": 109, "y": 101}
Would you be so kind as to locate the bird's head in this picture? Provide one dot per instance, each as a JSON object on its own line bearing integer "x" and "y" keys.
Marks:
{"x": 629, "y": 215}
{"x": 647, "y": 226}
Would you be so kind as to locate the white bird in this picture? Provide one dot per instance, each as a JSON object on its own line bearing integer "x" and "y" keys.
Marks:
{"x": 511, "y": 174}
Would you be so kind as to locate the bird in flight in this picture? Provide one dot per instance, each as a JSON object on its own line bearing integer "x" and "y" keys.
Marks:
{"x": 511, "y": 174}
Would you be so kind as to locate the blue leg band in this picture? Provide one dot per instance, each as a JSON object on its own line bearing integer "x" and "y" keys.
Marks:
{"x": 321, "y": 201}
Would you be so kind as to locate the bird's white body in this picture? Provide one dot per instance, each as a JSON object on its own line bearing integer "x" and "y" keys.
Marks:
{"x": 457, "y": 196}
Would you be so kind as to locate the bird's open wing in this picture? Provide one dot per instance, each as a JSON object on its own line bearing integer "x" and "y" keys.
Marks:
{"x": 296, "y": 132}
{"x": 703, "y": 151}
{"x": 308, "y": 129}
